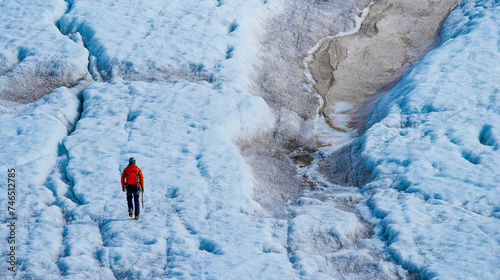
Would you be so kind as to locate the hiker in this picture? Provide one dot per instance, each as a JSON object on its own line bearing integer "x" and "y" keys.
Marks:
{"x": 133, "y": 182}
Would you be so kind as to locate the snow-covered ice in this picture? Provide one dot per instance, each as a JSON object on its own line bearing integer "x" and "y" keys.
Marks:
{"x": 180, "y": 135}
{"x": 31, "y": 142}
{"x": 195, "y": 40}
{"x": 35, "y": 58}
{"x": 432, "y": 151}
{"x": 199, "y": 219}
{"x": 171, "y": 90}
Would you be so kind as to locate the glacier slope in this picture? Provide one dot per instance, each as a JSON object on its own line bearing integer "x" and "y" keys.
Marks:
{"x": 72, "y": 215}
{"x": 432, "y": 152}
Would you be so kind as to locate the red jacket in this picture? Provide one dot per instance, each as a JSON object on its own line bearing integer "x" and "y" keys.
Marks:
{"x": 132, "y": 175}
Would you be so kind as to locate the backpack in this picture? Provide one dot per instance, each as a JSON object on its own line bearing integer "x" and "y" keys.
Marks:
{"x": 132, "y": 176}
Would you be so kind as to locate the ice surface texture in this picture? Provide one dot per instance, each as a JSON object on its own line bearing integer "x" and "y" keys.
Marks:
{"x": 197, "y": 221}
{"x": 432, "y": 151}
{"x": 35, "y": 58}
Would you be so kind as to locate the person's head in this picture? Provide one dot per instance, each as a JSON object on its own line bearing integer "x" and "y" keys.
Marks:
{"x": 131, "y": 161}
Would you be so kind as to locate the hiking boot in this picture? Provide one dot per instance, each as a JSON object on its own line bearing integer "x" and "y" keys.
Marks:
{"x": 136, "y": 217}
{"x": 130, "y": 212}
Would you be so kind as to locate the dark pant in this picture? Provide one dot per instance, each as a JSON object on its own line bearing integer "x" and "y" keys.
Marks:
{"x": 132, "y": 191}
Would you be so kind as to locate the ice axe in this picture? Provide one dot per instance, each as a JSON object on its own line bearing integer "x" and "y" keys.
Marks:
{"x": 142, "y": 194}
